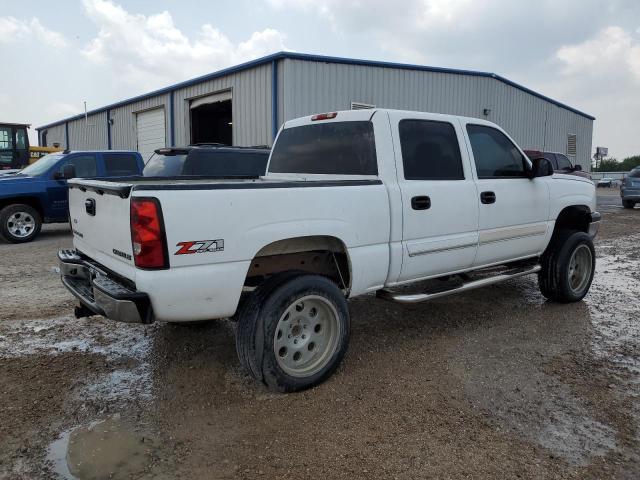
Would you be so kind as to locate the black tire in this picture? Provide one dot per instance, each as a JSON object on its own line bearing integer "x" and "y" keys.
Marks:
{"x": 7, "y": 215}
{"x": 554, "y": 278}
{"x": 260, "y": 316}
{"x": 628, "y": 203}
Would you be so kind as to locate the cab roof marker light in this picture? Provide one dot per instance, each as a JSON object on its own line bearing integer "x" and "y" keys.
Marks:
{"x": 324, "y": 116}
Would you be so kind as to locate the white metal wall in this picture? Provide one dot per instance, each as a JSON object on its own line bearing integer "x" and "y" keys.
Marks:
{"x": 251, "y": 105}
{"x": 311, "y": 87}
{"x": 89, "y": 134}
{"x": 55, "y": 134}
{"x": 306, "y": 87}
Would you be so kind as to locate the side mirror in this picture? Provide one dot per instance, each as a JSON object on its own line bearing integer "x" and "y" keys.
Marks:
{"x": 540, "y": 167}
{"x": 577, "y": 168}
{"x": 68, "y": 171}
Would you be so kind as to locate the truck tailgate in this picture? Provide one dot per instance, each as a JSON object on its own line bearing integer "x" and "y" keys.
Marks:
{"x": 99, "y": 215}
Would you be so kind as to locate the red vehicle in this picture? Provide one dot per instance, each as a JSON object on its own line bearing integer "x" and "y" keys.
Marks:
{"x": 560, "y": 162}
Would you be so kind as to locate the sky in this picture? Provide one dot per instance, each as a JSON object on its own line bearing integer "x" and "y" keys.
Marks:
{"x": 57, "y": 55}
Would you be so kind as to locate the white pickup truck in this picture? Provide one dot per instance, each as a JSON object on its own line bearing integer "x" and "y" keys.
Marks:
{"x": 353, "y": 202}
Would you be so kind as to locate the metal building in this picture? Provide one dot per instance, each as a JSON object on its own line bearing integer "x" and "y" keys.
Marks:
{"x": 246, "y": 104}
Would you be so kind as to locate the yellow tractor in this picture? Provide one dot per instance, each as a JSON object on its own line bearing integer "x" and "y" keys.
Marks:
{"x": 15, "y": 151}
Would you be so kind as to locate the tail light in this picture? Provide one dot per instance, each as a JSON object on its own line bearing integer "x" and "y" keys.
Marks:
{"x": 324, "y": 116}
{"x": 147, "y": 234}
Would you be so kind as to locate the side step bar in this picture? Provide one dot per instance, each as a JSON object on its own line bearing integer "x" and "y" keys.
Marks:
{"x": 483, "y": 282}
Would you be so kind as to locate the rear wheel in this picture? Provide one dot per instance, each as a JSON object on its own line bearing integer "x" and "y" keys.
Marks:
{"x": 19, "y": 223}
{"x": 628, "y": 203}
{"x": 568, "y": 266}
{"x": 294, "y": 331}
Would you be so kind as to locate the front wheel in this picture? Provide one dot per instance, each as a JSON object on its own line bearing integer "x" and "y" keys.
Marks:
{"x": 628, "y": 204}
{"x": 293, "y": 332}
{"x": 19, "y": 223}
{"x": 568, "y": 266}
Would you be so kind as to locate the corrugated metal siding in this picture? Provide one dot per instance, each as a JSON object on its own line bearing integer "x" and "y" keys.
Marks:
{"x": 311, "y": 87}
{"x": 123, "y": 129}
{"x": 251, "y": 104}
{"x": 55, "y": 135}
{"x": 89, "y": 134}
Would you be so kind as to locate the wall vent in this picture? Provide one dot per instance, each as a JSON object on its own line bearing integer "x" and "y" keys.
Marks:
{"x": 571, "y": 144}
{"x": 361, "y": 106}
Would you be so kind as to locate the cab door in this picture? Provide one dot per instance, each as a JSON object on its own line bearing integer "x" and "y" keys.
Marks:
{"x": 439, "y": 197}
{"x": 514, "y": 209}
{"x": 58, "y": 191}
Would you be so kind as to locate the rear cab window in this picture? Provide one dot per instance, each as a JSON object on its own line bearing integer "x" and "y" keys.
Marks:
{"x": 120, "y": 164}
{"x": 335, "y": 148}
{"x": 430, "y": 150}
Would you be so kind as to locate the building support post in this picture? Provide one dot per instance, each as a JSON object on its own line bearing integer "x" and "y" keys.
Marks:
{"x": 66, "y": 136}
{"x": 108, "y": 129}
{"x": 172, "y": 130}
{"x": 274, "y": 99}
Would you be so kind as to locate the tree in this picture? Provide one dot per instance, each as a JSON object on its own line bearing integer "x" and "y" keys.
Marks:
{"x": 614, "y": 165}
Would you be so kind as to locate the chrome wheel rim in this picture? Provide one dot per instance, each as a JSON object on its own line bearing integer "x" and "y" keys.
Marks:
{"x": 306, "y": 336}
{"x": 21, "y": 224}
{"x": 580, "y": 266}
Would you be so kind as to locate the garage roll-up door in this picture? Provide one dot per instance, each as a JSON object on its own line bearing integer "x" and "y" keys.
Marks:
{"x": 150, "y": 131}
{"x": 213, "y": 98}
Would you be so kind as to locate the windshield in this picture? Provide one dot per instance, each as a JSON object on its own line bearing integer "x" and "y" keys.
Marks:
{"x": 164, "y": 166}
{"x": 635, "y": 173}
{"x": 42, "y": 165}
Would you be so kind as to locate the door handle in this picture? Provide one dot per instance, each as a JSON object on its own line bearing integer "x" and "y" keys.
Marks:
{"x": 421, "y": 203}
{"x": 488, "y": 197}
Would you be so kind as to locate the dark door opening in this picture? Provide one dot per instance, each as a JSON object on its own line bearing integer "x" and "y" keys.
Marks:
{"x": 212, "y": 123}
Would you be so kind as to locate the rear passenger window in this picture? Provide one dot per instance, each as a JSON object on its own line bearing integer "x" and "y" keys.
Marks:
{"x": 494, "y": 154}
{"x": 430, "y": 150}
{"x": 338, "y": 148}
{"x": 120, "y": 164}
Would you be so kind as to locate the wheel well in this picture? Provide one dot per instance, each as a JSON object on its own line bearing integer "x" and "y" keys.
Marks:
{"x": 576, "y": 217}
{"x": 31, "y": 201}
{"x": 322, "y": 255}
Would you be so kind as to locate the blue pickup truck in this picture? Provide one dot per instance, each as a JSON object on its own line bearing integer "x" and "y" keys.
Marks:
{"x": 38, "y": 194}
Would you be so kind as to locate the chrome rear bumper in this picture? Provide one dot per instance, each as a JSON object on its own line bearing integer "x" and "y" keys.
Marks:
{"x": 100, "y": 293}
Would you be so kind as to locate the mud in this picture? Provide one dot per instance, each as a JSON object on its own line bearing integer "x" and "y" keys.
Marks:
{"x": 494, "y": 383}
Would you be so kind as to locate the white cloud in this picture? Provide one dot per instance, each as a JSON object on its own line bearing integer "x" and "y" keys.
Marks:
{"x": 149, "y": 50}
{"x": 13, "y": 29}
{"x": 613, "y": 51}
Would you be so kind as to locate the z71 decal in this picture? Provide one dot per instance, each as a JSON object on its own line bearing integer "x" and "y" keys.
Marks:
{"x": 200, "y": 246}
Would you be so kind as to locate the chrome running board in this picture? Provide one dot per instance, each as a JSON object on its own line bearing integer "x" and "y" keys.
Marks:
{"x": 471, "y": 285}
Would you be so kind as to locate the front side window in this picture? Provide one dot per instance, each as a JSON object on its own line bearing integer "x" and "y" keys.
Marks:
{"x": 563, "y": 162}
{"x": 6, "y": 138}
{"x": 120, "y": 164}
{"x": 494, "y": 154}
{"x": 336, "y": 148}
{"x": 430, "y": 150}
{"x": 85, "y": 165}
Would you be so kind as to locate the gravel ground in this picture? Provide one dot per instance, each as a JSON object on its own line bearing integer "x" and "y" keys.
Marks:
{"x": 493, "y": 383}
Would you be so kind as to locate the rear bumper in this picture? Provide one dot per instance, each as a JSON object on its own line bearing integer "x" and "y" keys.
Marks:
{"x": 100, "y": 292}
{"x": 594, "y": 225}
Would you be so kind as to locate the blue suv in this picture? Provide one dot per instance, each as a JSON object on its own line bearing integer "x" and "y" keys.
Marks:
{"x": 38, "y": 194}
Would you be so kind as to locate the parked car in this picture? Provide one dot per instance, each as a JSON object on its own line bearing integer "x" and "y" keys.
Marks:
{"x": 353, "y": 202}
{"x": 630, "y": 189}
{"x": 605, "y": 182}
{"x": 210, "y": 161}
{"x": 560, "y": 163}
{"x": 38, "y": 193}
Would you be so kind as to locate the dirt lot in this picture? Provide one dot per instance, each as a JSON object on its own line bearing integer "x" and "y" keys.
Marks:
{"x": 495, "y": 383}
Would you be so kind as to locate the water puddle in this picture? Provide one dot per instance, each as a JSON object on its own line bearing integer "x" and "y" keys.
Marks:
{"x": 106, "y": 449}
{"x": 124, "y": 347}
